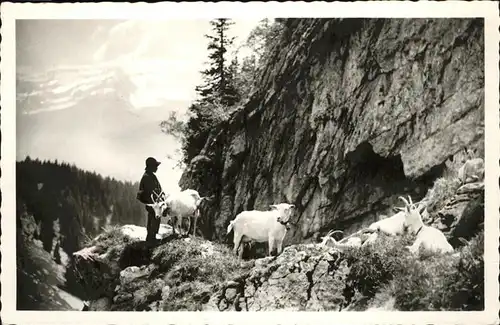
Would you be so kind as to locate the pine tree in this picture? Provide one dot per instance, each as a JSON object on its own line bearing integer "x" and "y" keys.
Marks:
{"x": 218, "y": 86}
{"x": 217, "y": 95}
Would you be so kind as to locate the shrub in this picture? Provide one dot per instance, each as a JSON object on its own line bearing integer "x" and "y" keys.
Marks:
{"x": 445, "y": 282}
{"x": 194, "y": 270}
{"x": 465, "y": 288}
{"x": 170, "y": 253}
{"x": 386, "y": 272}
{"x": 188, "y": 296}
{"x": 443, "y": 189}
{"x": 373, "y": 266}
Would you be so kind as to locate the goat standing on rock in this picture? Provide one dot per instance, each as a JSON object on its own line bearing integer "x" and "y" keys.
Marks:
{"x": 185, "y": 204}
{"x": 429, "y": 238}
{"x": 262, "y": 226}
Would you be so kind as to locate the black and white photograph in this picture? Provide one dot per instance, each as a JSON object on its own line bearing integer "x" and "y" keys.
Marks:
{"x": 296, "y": 158}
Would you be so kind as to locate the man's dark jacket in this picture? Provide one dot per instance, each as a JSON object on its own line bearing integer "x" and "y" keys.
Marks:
{"x": 148, "y": 184}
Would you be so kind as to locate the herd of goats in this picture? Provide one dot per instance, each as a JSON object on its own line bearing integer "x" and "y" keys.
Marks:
{"x": 271, "y": 226}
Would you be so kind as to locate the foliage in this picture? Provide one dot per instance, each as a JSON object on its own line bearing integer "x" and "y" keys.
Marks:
{"x": 262, "y": 39}
{"x": 443, "y": 188}
{"x": 217, "y": 78}
{"x": 227, "y": 83}
{"x": 435, "y": 282}
{"x": 386, "y": 272}
{"x": 185, "y": 273}
{"x": 173, "y": 126}
{"x": 193, "y": 270}
{"x": 375, "y": 265}
{"x": 218, "y": 94}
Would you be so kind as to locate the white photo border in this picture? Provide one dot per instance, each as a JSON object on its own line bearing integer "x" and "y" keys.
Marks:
{"x": 157, "y": 11}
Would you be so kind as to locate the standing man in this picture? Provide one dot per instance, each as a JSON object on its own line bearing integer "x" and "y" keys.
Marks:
{"x": 149, "y": 184}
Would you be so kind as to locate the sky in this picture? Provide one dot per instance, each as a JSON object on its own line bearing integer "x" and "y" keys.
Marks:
{"x": 61, "y": 62}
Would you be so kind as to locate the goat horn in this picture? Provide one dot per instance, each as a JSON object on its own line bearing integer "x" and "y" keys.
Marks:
{"x": 152, "y": 199}
{"x": 404, "y": 200}
{"x": 409, "y": 197}
{"x": 331, "y": 232}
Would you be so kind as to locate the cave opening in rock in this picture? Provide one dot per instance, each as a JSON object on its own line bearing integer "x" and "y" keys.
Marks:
{"x": 367, "y": 165}
{"x": 371, "y": 187}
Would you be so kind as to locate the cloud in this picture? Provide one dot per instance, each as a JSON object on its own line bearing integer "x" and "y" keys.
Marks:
{"x": 161, "y": 58}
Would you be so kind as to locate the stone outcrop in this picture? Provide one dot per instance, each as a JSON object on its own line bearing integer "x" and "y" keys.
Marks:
{"x": 350, "y": 114}
{"x": 304, "y": 277}
{"x": 463, "y": 214}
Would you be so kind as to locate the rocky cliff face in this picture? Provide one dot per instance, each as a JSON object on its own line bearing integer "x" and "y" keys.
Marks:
{"x": 351, "y": 113}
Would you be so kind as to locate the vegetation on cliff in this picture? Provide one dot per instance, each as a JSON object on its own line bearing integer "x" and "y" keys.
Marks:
{"x": 227, "y": 83}
{"x": 196, "y": 274}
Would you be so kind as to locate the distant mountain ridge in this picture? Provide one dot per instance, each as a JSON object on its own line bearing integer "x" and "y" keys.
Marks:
{"x": 109, "y": 113}
{"x": 63, "y": 87}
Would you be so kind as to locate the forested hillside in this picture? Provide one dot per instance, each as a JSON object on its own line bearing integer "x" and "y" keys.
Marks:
{"x": 66, "y": 206}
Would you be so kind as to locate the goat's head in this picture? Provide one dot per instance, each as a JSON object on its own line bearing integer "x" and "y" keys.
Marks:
{"x": 285, "y": 212}
{"x": 159, "y": 204}
{"x": 412, "y": 211}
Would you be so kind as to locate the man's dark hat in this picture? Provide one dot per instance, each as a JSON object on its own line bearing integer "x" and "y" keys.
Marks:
{"x": 151, "y": 162}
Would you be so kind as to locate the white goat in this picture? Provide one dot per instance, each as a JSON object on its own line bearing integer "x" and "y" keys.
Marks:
{"x": 184, "y": 204}
{"x": 428, "y": 237}
{"x": 391, "y": 226}
{"x": 262, "y": 226}
{"x": 394, "y": 225}
{"x": 471, "y": 171}
{"x": 350, "y": 241}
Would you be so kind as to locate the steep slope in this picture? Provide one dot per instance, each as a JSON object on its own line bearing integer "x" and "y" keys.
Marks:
{"x": 350, "y": 114}
{"x": 119, "y": 272}
{"x": 58, "y": 207}
{"x": 39, "y": 278}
